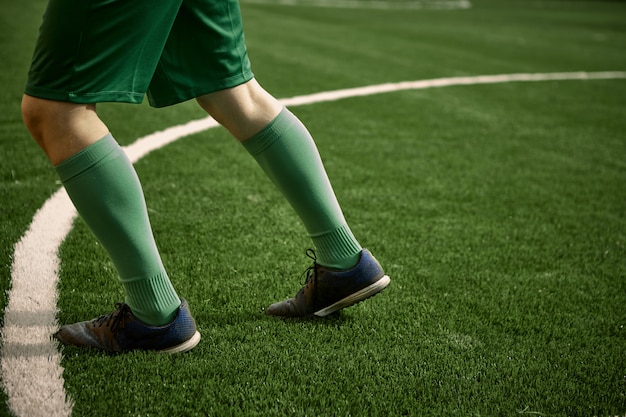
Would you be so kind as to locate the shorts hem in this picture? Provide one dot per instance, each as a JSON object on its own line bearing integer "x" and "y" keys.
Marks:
{"x": 85, "y": 98}
{"x": 182, "y": 96}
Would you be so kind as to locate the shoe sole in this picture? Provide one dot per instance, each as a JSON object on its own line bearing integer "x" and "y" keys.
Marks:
{"x": 185, "y": 346}
{"x": 358, "y": 296}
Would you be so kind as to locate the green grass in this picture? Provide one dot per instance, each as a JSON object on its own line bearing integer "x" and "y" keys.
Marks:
{"x": 499, "y": 212}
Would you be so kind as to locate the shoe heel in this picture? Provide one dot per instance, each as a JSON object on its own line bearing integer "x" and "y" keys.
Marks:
{"x": 358, "y": 296}
{"x": 185, "y": 346}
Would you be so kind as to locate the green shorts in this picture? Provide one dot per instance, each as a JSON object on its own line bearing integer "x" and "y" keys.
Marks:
{"x": 92, "y": 51}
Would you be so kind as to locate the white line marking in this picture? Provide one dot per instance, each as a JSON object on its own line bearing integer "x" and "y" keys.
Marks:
{"x": 370, "y": 4}
{"x": 447, "y": 82}
{"x": 31, "y": 365}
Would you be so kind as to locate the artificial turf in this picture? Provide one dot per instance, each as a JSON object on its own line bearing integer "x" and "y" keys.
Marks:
{"x": 498, "y": 211}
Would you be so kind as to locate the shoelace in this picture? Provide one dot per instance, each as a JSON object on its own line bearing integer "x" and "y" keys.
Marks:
{"x": 114, "y": 319}
{"x": 310, "y": 272}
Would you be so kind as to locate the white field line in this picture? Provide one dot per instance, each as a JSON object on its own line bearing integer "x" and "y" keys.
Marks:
{"x": 31, "y": 372}
{"x": 378, "y": 5}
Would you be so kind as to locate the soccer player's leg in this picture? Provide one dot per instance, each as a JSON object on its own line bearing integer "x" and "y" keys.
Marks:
{"x": 223, "y": 85}
{"x": 343, "y": 273}
{"x": 75, "y": 66}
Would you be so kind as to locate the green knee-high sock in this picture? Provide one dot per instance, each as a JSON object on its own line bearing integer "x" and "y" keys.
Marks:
{"x": 288, "y": 155}
{"x": 105, "y": 190}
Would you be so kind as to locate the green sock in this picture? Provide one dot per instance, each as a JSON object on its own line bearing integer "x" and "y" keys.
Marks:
{"x": 105, "y": 190}
{"x": 288, "y": 155}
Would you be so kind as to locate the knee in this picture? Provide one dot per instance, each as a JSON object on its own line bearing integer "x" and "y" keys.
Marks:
{"x": 243, "y": 110}
{"x": 61, "y": 128}
{"x": 33, "y": 116}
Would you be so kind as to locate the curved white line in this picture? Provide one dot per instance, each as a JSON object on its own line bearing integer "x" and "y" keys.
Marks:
{"x": 370, "y": 4}
{"x": 30, "y": 365}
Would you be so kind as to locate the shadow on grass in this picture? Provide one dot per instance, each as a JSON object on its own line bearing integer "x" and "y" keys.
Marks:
{"x": 228, "y": 317}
